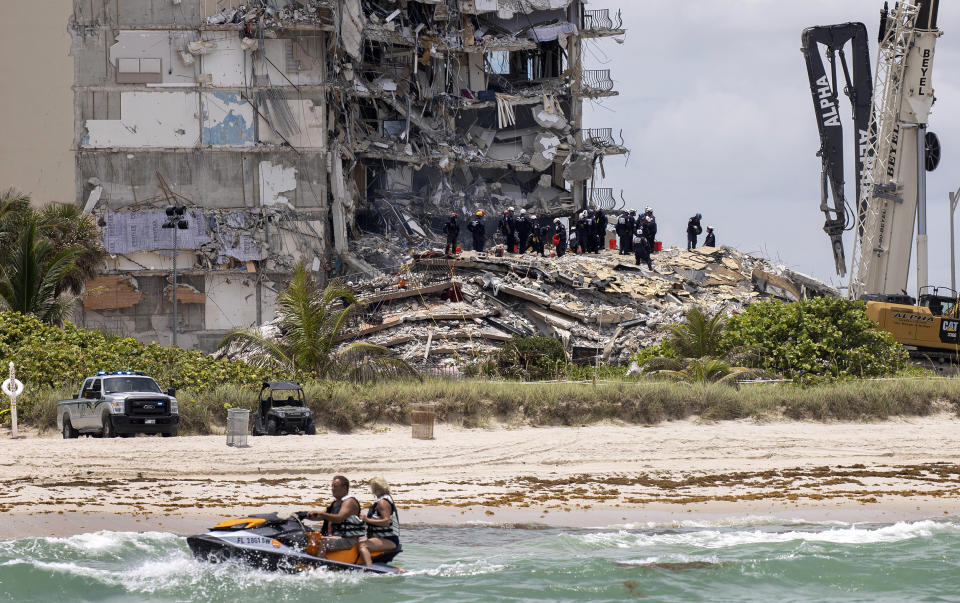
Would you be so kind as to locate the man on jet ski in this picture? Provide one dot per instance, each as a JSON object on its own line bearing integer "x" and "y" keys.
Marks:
{"x": 341, "y": 520}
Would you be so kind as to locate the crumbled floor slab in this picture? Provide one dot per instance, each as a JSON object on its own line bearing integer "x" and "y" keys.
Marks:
{"x": 449, "y": 310}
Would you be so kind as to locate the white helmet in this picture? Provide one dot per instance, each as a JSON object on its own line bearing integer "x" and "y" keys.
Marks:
{"x": 647, "y": 208}
{"x": 533, "y": 217}
{"x": 510, "y": 208}
{"x": 557, "y": 220}
{"x": 522, "y": 211}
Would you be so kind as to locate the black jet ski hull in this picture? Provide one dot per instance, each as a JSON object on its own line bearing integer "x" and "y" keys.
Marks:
{"x": 269, "y": 554}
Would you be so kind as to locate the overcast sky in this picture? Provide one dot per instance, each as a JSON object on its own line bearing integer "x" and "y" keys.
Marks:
{"x": 715, "y": 106}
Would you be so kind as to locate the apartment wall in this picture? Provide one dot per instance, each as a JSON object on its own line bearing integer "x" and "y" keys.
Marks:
{"x": 36, "y": 100}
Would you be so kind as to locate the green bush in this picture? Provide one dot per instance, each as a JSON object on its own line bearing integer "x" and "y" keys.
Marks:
{"x": 826, "y": 337}
{"x": 50, "y": 357}
{"x": 660, "y": 350}
{"x": 526, "y": 359}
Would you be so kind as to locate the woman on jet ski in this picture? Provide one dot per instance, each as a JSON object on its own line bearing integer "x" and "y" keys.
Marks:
{"x": 383, "y": 523}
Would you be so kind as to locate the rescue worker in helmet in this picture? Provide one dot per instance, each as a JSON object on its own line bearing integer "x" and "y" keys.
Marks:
{"x": 525, "y": 228}
{"x": 580, "y": 228}
{"x": 649, "y": 224}
{"x": 478, "y": 229}
{"x": 559, "y": 237}
{"x": 642, "y": 249}
{"x": 600, "y": 223}
{"x": 693, "y": 229}
{"x": 711, "y": 239}
{"x": 625, "y": 228}
{"x": 508, "y": 228}
{"x": 452, "y": 230}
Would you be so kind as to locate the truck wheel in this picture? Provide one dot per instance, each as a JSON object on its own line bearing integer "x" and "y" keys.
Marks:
{"x": 109, "y": 431}
{"x": 311, "y": 428}
{"x": 172, "y": 433}
{"x": 272, "y": 428}
{"x": 69, "y": 432}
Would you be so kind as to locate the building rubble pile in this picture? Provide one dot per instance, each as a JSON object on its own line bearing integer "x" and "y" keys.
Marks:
{"x": 265, "y": 13}
{"x": 443, "y": 311}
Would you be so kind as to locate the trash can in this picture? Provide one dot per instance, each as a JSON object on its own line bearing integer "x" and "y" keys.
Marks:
{"x": 238, "y": 420}
{"x": 421, "y": 420}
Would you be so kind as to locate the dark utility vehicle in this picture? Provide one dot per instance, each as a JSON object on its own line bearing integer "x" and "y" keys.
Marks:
{"x": 282, "y": 409}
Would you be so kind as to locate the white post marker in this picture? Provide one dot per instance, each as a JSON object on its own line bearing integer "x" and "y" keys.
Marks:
{"x": 13, "y": 388}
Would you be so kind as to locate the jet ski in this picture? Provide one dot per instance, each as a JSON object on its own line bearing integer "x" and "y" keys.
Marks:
{"x": 271, "y": 542}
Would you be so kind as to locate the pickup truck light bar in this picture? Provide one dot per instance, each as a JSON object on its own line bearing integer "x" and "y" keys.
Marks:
{"x": 102, "y": 373}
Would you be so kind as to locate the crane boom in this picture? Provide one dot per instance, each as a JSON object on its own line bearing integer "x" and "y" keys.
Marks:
{"x": 895, "y": 179}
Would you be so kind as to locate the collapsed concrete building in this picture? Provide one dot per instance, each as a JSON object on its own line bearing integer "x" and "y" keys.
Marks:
{"x": 448, "y": 312}
{"x": 288, "y": 129}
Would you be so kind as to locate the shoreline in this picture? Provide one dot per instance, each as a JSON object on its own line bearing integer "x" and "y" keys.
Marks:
{"x": 567, "y": 477}
{"x": 52, "y": 524}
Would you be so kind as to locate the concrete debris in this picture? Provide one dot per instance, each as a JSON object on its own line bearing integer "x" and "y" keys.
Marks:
{"x": 264, "y": 13}
{"x": 604, "y": 305}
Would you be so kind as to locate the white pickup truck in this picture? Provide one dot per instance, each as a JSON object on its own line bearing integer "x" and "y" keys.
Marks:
{"x": 118, "y": 403}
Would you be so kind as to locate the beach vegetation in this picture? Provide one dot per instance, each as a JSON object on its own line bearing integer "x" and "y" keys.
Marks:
{"x": 345, "y": 407}
{"x": 524, "y": 359}
{"x": 309, "y": 322}
{"x": 814, "y": 339}
{"x": 30, "y": 279}
{"x": 46, "y": 256}
{"x": 689, "y": 353}
{"x": 704, "y": 369}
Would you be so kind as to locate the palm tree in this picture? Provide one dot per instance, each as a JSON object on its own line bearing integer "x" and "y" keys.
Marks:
{"x": 66, "y": 226}
{"x": 309, "y": 321}
{"x": 697, "y": 342}
{"x": 31, "y": 276}
{"x": 13, "y": 205}
{"x": 699, "y": 335}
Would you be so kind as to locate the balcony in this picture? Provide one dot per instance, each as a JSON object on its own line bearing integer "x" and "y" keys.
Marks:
{"x": 602, "y": 141}
{"x": 602, "y": 198}
{"x": 599, "y": 23}
{"x": 595, "y": 83}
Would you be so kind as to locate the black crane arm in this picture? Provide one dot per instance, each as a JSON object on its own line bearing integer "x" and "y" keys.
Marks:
{"x": 824, "y": 89}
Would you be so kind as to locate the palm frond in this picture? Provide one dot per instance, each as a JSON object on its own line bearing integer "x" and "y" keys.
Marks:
{"x": 365, "y": 362}
{"x": 256, "y": 349}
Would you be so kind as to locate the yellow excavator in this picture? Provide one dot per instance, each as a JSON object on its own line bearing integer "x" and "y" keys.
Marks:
{"x": 928, "y": 329}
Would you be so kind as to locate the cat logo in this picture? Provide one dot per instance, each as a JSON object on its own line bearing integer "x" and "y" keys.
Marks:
{"x": 949, "y": 326}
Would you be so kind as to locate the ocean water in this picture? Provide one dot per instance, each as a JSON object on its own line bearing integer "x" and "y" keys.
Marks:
{"x": 753, "y": 559}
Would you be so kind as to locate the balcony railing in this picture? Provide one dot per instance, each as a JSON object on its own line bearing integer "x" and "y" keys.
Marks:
{"x": 602, "y": 198}
{"x": 596, "y": 80}
{"x": 599, "y": 137}
{"x": 600, "y": 20}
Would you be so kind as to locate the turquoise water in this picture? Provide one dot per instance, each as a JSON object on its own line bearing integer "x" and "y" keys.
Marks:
{"x": 754, "y": 560}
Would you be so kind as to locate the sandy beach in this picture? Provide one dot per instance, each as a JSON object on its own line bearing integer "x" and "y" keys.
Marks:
{"x": 590, "y": 476}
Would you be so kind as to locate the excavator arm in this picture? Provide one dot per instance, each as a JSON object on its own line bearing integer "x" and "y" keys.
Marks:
{"x": 858, "y": 87}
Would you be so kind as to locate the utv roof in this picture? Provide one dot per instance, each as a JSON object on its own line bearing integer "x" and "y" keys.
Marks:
{"x": 281, "y": 385}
